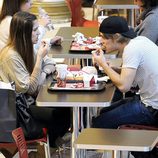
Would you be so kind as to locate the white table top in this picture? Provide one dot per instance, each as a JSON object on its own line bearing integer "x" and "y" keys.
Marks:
{"x": 115, "y": 4}
{"x": 101, "y": 98}
{"x": 117, "y": 139}
{"x": 63, "y": 51}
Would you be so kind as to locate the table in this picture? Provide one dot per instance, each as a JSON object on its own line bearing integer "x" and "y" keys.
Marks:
{"x": 74, "y": 99}
{"x": 117, "y": 139}
{"x": 117, "y": 4}
{"x": 63, "y": 51}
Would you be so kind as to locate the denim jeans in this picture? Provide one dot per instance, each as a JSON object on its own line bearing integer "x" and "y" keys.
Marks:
{"x": 127, "y": 111}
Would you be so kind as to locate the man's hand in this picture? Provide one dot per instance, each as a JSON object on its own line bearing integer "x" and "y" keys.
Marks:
{"x": 98, "y": 57}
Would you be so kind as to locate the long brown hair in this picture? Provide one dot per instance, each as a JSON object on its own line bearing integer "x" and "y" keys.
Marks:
{"x": 10, "y": 7}
{"x": 21, "y": 37}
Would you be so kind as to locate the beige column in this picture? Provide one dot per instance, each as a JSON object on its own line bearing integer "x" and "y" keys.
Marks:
{"x": 56, "y": 9}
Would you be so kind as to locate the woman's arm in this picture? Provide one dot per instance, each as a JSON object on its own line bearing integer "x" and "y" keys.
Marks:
{"x": 16, "y": 70}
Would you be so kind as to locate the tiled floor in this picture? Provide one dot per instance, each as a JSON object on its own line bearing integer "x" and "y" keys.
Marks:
{"x": 67, "y": 154}
{"x": 90, "y": 154}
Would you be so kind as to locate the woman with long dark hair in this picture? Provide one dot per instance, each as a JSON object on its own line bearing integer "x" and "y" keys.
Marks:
{"x": 18, "y": 63}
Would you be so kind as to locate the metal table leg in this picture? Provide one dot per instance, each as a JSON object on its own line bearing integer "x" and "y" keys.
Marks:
{"x": 75, "y": 130}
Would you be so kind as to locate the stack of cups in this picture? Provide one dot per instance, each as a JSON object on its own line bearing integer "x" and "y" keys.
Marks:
{"x": 61, "y": 74}
{"x": 102, "y": 17}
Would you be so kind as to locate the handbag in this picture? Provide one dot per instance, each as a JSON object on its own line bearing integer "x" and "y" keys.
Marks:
{"x": 30, "y": 126}
{"x": 8, "y": 114}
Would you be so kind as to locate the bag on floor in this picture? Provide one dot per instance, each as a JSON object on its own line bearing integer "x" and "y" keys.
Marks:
{"x": 8, "y": 114}
{"x": 30, "y": 126}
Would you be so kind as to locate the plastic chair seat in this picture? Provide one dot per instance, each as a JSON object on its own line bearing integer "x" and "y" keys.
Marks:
{"x": 138, "y": 127}
{"x": 88, "y": 23}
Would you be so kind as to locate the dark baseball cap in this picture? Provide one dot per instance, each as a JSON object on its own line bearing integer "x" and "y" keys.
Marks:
{"x": 117, "y": 24}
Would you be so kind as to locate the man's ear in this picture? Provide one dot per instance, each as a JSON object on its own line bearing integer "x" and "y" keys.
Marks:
{"x": 116, "y": 36}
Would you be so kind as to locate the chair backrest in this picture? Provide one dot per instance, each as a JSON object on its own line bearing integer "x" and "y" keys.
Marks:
{"x": 20, "y": 141}
{"x": 77, "y": 14}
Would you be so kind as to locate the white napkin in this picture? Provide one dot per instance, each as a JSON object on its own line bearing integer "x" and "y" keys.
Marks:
{"x": 4, "y": 85}
{"x": 104, "y": 78}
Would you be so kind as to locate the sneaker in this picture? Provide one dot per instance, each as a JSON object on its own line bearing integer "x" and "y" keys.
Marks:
{"x": 94, "y": 154}
{"x": 67, "y": 137}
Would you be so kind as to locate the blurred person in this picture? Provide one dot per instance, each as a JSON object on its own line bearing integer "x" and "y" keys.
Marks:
{"x": 139, "y": 56}
{"x": 19, "y": 63}
{"x": 9, "y": 8}
{"x": 1, "y": 5}
{"x": 147, "y": 21}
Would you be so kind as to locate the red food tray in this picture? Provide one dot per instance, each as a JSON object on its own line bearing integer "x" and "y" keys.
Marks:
{"x": 83, "y": 47}
{"x": 79, "y": 47}
{"x": 73, "y": 87}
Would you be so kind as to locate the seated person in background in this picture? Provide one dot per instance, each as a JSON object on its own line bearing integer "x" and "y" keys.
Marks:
{"x": 147, "y": 21}
{"x": 18, "y": 63}
{"x": 139, "y": 67}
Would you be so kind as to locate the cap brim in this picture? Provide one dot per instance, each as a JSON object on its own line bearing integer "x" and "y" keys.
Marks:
{"x": 130, "y": 34}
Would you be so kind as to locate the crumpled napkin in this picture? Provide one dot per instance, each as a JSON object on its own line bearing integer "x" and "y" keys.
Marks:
{"x": 4, "y": 85}
{"x": 103, "y": 79}
{"x": 48, "y": 65}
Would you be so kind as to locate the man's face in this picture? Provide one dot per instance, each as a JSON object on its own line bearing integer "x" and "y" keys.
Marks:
{"x": 35, "y": 32}
{"x": 109, "y": 44}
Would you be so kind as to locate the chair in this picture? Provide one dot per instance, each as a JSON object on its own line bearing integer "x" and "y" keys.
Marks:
{"x": 77, "y": 14}
{"x": 137, "y": 127}
{"x": 19, "y": 138}
{"x": 21, "y": 143}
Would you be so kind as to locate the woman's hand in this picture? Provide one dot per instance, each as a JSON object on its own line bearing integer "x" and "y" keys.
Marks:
{"x": 43, "y": 50}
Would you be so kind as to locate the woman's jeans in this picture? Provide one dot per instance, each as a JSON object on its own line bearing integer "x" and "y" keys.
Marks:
{"x": 127, "y": 111}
